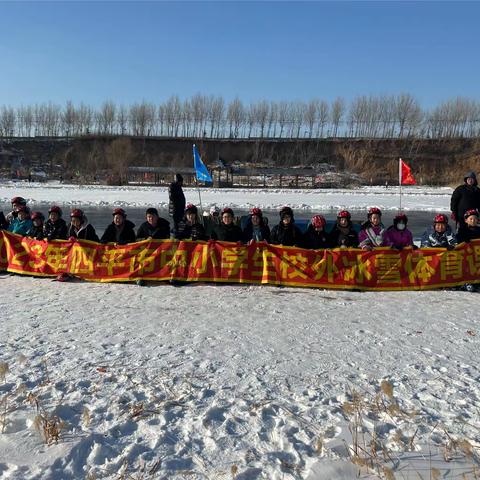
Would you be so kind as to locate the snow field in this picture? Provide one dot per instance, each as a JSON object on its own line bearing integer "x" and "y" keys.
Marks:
{"x": 244, "y": 382}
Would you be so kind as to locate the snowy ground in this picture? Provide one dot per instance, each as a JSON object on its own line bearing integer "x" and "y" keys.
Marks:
{"x": 236, "y": 382}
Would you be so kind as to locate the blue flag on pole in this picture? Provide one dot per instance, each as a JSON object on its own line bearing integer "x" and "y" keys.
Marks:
{"x": 201, "y": 171}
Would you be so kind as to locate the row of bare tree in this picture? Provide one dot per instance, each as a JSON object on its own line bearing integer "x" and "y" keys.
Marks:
{"x": 211, "y": 117}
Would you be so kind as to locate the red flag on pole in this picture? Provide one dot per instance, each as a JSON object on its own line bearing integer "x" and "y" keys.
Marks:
{"x": 406, "y": 176}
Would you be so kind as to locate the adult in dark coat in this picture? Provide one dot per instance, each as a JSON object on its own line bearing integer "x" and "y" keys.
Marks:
{"x": 316, "y": 237}
{"x": 176, "y": 200}
{"x": 190, "y": 226}
{"x": 80, "y": 228}
{"x": 256, "y": 229}
{"x": 55, "y": 227}
{"x": 465, "y": 197}
{"x": 343, "y": 234}
{"x": 121, "y": 230}
{"x": 154, "y": 227}
{"x": 226, "y": 230}
{"x": 286, "y": 233}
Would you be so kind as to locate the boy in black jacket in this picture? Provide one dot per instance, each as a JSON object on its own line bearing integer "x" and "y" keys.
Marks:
{"x": 154, "y": 227}
{"x": 120, "y": 230}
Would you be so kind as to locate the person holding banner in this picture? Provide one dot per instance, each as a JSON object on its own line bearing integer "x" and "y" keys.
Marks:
{"x": 226, "y": 230}
{"x": 190, "y": 227}
{"x": 80, "y": 228}
{"x": 398, "y": 236}
{"x": 55, "y": 227}
{"x": 120, "y": 231}
{"x": 470, "y": 229}
{"x": 154, "y": 226}
{"x": 286, "y": 233}
{"x": 371, "y": 234}
{"x": 316, "y": 237}
{"x": 256, "y": 230}
{"x": 343, "y": 234}
{"x": 439, "y": 234}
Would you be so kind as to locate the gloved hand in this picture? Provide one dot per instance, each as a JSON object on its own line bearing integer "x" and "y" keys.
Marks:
{"x": 72, "y": 239}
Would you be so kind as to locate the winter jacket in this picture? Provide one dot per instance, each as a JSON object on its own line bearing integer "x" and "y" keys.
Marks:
{"x": 20, "y": 226}
{"x": 36, "y": 232}
{"x": 11, "y": 215}
{"x": 258, "y": 234}
{"x": 371, "y": 236}
{"x": 227, "y": 233}
{"x": 123, "y": 234}
{"x": 396, "y": 238}
{"x": 343, "y": 236}
{"x": 85, "y": 232}
{"x": 192, "y": 232}
{"x": 314, "y": 240}
{"x": 55, "y": 231}
{"x": 3, "y": 222}
{"x": 433, "y": 239}
{"x": 161, "y": 231}
{"x": 465, "y": 197}
{"x": 286, "y": 235}
{"x": 176, "y": 201}
{"x": 466, "y": 233}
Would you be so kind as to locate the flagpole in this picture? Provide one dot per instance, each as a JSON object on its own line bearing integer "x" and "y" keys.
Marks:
{"x": 198, "y": 187}
{"x": 400, "y": 181}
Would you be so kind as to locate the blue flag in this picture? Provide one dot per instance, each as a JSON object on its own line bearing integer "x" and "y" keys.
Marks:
{"x": 200, "y": 169}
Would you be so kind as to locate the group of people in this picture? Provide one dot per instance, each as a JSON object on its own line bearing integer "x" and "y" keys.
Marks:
{"x": 224, "y": 226}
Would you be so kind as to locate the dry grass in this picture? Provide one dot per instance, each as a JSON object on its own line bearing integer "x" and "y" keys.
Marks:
{"x": 49, "y": 427}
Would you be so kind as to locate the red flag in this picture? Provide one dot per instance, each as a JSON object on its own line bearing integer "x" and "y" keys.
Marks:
{"x": 406, "y": 176}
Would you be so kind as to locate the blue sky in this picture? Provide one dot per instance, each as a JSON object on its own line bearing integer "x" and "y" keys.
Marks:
{"x": 130, "y": 51}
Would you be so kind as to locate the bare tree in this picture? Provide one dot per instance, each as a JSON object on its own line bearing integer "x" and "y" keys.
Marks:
{"x": 7, "y": 122}
{"x": 105, "y": 117}
{"x": 122, "y": 119}
{"x": 338, "y": 111}
{"x": 323, "y": 117}
{"x": 236, "y": 117}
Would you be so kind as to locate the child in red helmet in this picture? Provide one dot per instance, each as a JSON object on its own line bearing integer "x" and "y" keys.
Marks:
{"x": 343, "y": 233}
{"x": 316, "y": 237}
{"x": 470, "y": 230}
{"x": 256, "y": 229}
{"x": 121, "y": 230}
{"x": 226, "y": 230}
{"x": 22, "y": 223}
{"x": 286, "y": 232}
{"x": 55, "y": 227}
{"x": 398, "y": 235}
{"x": 80, "y": 228}
{"x": 439, "y": 235}
{"x": 36, "y": 230}
{"x": 372, "y": 231}
{"x": 16, "y": 202}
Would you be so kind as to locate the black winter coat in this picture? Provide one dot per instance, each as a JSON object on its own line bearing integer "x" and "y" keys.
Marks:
{"x": 176, "y": 201}
{"x": 340, "y": 237}
{"x": 314, "y": 240}
{"x": 3, "y": 222}
{"x": 464, "y": 197}
{"x": 192, "y": 232}
{"x": 55, "y": 231}
{"x": 85, "y": 232}
{"x": 36, "y": 232}
{"x": 466, "y": 233}
{"x": 227, "y": 233}
{"x": 248, "y": 233}
{"x": 286, "y": 235}
{"x": 161, "y": 231}
{"x": 121, "y": 235}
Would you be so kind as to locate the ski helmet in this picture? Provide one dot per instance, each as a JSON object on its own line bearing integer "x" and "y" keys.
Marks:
{"x": 55, "y": 209}
{"x": 440, "y": 218}
{"x": 470, "y": 212}
{"x": 401, "y": 217}
{"x": 344, "y": 214}
{"x": 256, "y": 211}
{"x": 191, "y": 208}
{"x": 77, "y": 213}
{"x": 318, "y": 221}
{"x": 37, "y": 215}
{"x": 374, "y": 210}
{"x": 119, "y": 211}
{"x": 18, "y": 201}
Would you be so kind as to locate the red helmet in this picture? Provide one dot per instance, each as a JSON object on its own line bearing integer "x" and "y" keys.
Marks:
{"x": 440, "y": 218}
{"x": 77, "y": 213}
{"x": 401, "y": 217}
{"x": 374, "y": 210}
{"x": 191, "y": 208}
{"x": 19, "y": 201}
{"x": 38, "y": 215}
{"x": 227, "y": 210}
{"x": 472, "y": 211}
{"x": 344, "y": 214}
{"x": 318, "y": 221}
{"x": 256, "y": 211}
{"x": 55, "y": 209}
{"x": 119, "y": 211}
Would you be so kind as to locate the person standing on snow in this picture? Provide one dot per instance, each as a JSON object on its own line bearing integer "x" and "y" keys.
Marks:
{"x": 465, "y": 197}
{"x": 398, "y": 235}
{"x": 176, "y": 200}
{"x": 371, "y": 234}
{"x": 439, "y": 235}
{"x": 286, "y": 233}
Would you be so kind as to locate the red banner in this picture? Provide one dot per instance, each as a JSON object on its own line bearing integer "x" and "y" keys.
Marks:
{"x": 380, "y": 269}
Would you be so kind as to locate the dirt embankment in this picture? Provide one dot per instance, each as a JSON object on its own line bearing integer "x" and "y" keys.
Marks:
{"x": 440, "y": 162}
